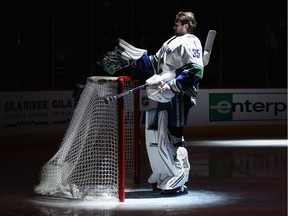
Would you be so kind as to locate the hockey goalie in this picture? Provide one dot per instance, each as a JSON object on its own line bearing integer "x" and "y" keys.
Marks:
{"x": 175, "y": 73}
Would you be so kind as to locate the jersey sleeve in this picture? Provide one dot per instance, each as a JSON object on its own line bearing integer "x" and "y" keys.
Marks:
{"x": 147, "y": 64}
{"x": 191, "y": 73}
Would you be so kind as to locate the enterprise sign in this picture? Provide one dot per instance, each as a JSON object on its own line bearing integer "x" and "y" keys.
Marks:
{"x": 247, "y": 106}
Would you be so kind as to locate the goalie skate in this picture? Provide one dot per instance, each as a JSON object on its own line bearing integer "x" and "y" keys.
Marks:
{"x": 182, "y": 190}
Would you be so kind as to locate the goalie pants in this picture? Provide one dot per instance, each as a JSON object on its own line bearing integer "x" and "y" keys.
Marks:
{"x": 178, "y": 110}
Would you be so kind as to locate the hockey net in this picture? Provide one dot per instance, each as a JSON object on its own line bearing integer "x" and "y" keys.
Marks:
{"x": 98, "y": 155}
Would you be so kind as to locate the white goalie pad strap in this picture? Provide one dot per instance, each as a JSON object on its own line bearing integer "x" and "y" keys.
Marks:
{"x": 129, "y": 52}
{"x": 151, "y": 138}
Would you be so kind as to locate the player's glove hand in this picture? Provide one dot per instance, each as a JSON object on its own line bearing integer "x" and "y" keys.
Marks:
{"x": 162, "y": 93}
{"x": 155, "y": 81}
{"x": 169, "y": 89}
{"x": 173, "y": 86}
{"x": 153, "y": 88}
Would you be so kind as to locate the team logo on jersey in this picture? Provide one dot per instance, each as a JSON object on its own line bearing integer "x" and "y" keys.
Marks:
{"x": 247, "y": 107}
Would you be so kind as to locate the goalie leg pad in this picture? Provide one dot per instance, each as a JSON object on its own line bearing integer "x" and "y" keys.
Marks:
{"x": 156, "y": 162}
{"x": 175, "y": 157}
{"x": 151, "y": 138}
{"x": 165, "y": 146}
{"x": 169, "y": 164}
{"x": 172, "y": 182}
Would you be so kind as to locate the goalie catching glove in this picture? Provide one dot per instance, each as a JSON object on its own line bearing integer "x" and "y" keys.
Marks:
{"x": 159, "y": 90}
{"x": 121, "y": 57}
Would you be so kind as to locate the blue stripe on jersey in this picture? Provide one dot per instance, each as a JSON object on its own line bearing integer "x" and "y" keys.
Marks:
{"x": 146, "y": 64}
{"x": 189, "y": 75}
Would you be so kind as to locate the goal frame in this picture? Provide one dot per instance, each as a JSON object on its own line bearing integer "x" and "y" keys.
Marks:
{"x": 121, "y": 115}
{"x": 76, "y": 171}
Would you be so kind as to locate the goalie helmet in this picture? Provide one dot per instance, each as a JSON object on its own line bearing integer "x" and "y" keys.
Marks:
{"x": 120, "y": 57}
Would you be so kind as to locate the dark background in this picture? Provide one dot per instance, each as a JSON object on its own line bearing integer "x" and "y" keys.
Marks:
{"x": 58, "y": 41}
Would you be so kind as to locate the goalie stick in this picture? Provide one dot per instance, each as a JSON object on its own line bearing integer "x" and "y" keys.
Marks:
{"x": 206, "y": 58}
{"x": 208, "y": 46}
{"x": 108, "y": 100}
{"x": 156, "y": 81}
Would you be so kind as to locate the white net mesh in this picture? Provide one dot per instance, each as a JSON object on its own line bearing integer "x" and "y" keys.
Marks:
{"x": 86, "y": 165}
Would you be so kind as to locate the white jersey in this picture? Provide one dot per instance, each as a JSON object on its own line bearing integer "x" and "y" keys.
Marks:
{"x": 179, "y": 51}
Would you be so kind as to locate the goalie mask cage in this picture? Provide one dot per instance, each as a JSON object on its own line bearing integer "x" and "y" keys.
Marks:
{"x": 99, "y": 154}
